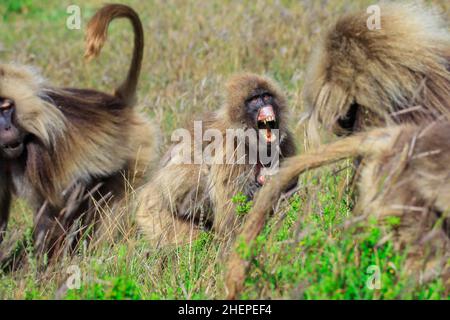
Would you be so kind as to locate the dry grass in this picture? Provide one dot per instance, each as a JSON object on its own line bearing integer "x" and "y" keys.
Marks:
{"x": 191, "y": 48}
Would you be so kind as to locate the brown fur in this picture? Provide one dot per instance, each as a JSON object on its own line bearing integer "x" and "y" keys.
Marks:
{"x": 183, "y": 196}
{"x": 397, "y": 74}
{"x": 96, "y": 38}
{"x": 404, "y": 173}
{"x": 80, "y": 146}
{"x": 357, "y": 79}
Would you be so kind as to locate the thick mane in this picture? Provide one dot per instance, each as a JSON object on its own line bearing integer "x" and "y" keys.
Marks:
{"x": 56, "y": 119}
{"x": 72, "y": 152}
{"x": 37, "y": 116}
{"x": 102, "y": 120}
{"x": 404, "y": 64}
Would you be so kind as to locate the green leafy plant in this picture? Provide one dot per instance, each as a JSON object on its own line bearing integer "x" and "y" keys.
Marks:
{"x": 243, "y": 205}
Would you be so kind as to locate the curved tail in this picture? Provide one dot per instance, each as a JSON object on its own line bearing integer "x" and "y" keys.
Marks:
{"x": 96, "y": 36}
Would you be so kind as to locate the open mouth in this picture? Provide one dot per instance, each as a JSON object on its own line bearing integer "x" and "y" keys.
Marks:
{"x": 13, "y": 150}
{"x": 267, "y": 122}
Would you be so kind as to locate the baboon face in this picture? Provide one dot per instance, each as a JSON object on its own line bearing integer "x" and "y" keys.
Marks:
{"x": 262, "y": 113}
{"x": 356, "y": 119}
{"x": 347, "y": 124}
{"x": 359, "y": 78}
{"x": 11, "y": 137}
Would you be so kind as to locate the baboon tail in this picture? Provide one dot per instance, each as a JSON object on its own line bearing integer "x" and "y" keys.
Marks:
{"x": 96, "y": 36}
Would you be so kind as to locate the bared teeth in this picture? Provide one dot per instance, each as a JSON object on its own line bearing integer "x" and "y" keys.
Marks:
{"x": 268, "y": 119}
{"x": 266, "y": 114}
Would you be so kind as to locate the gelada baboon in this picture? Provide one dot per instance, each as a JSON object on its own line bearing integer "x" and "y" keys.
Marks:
{"x": 405, "y": 174}
{"x": 70, "y": 150}
{"x": 359, "y": 78}
{"x": 184, "y": 196}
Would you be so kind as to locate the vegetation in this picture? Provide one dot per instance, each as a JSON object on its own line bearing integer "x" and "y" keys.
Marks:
{"x": 306, "y": 251}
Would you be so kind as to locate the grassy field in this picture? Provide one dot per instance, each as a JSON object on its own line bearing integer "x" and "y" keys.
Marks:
{"x": 191, "y": 48}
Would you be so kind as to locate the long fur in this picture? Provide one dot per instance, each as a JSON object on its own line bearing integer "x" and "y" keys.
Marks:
{"x": 97, "y": 31}
{"x": 182, "y": 197}
{"x": 83, "y": 146}
{"x": 397, "y": 74}
{"x": 404, "y": 173}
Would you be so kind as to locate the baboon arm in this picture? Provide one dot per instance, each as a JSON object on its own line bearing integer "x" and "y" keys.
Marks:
{"x": 365, "y": 144}
{"x": 270, "y": 193}
{"x": 5, "y": 200}
{"x": 45, "y": 233}
{"x": 5, "y": 203}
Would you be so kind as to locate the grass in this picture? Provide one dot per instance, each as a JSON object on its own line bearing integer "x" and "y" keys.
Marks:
{"x": 191, "y": 48}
